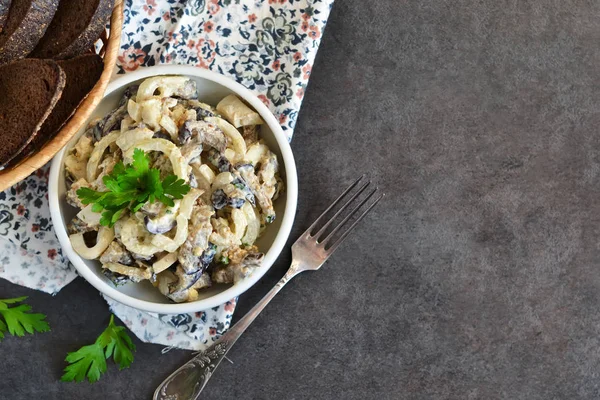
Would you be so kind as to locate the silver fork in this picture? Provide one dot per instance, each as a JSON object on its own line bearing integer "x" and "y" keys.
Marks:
{"x": 309, "y": 252}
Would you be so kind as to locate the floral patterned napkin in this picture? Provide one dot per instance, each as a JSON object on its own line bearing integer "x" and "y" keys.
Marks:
{"x": 266, "y": 45}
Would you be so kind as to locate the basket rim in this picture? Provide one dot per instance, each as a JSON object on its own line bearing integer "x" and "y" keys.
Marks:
{"x": 29, "y": 165}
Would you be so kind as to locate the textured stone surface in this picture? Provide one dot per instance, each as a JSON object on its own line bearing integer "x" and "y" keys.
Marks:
{"x": 478, "y": 276}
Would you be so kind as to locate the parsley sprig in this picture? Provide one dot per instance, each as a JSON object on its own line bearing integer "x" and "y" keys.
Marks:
{"x": 90, "y": 361}
{"x": 130, "y": 187}
{"x": 18, "y": 319}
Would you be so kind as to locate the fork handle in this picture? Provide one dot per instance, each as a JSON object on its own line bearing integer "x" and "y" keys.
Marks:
{"x": 188, "y": 381}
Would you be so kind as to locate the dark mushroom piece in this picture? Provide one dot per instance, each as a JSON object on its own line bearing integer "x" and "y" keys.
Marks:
{"x": 193, "y": 181}
{"x": 130, "y": 92}
{"x": 220, "y": 200}
{"x": 116, "y": 278}
{"x": 173, "y": 284}
{"x": 136, "y": 274}
{"x": 162, "y": 135}
{"x": 219, "y": 160}
{"x": 246, "y": 173}
{"x": 250, "y": 134}
{"x": 77, "y": 225}
{"x": 184, "y": 281}
{"x": 202, "y": 132}
{"x": 116, "y": 253}
{"x": 232, "y": 273}
{"x": 199, "y": 230}
{"x": 241, "y": 185}
{"x": 188, "y": 91}
{"x": 141, "y": 257}
{"x": 202, "y": 110}
{"x": 202, "y": 113}
{"x": 113, "y": 120}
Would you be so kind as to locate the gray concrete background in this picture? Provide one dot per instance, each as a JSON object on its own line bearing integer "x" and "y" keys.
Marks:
{"x": 477, "y": 278}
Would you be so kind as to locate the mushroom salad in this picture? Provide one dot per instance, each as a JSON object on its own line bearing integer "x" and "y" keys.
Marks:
{"x": 172, "y": 190}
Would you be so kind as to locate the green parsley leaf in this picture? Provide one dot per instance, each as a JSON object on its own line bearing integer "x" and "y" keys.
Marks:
{"x": 88, "y": 196}
{"x": 3, "y": 328}
{"x": 87, "y": 361}
{"x": 90, "y": 361}
{"x": 141, "y": 163}
{"x": 117, "y": 344}
{"x": 175, "y": 187}
{"x": 18, "y": 319}
{"x": 130, "y": 187}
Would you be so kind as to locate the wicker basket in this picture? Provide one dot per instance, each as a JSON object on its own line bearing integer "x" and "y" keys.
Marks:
{"x": 110, "y": 47}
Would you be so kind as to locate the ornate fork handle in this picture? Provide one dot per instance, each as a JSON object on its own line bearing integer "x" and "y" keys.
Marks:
{"x": 188, "y": 381}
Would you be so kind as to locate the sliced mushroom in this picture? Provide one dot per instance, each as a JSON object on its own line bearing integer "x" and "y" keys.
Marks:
{"x": 141, "y": 257}
{"x": 193, "y": 181}
{"x": 129, "y": 93}
{"x": 116, "y": 253}
{"x": 234, "y": 272}
{"x": 136, "y": 274}
{"x": 219, "y": 160}
{"x": 246, "y": 172}
{"x": 250, "y": 134}
{"x": 199, "y": 230}
{"x": 113, "y": 120}
{"x": 77, "y": 225}
{"x": 173, "y": 285}
{"x": 267, "y": 173}
{"x": 115, "y": 278}
{"x": 202, "y": 132}
{"x": 184, "y": 280}
{"x": 202, "y": 110}
{"x": 162, "y": 135}
{"x": 220, "y": 199}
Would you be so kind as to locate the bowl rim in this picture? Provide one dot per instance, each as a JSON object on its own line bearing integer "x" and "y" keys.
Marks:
{"x": 270, "y": 256}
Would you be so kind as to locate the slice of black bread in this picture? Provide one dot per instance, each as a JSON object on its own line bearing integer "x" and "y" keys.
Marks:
{"x": 4, "y": 7}
{"x": 77, "y": 24}
{"x": 30, "y": 89}
{"x": 82, "y": 73}
{"x": 26, "y": 24}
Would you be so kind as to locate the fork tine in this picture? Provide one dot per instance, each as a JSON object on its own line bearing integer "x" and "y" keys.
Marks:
{"x": 320, "y": 219}
{"x": 347, "y": 217}
{"x": 338, "y": 212}
{"x": 331, "y": 248}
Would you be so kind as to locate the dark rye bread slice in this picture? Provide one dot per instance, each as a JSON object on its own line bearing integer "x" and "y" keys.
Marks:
{"x": 82, "y": 73}
{"x": 4, "y": 7}
{"x": 25, "y": 26}
{"x": 30, "y": 90}
{"x": 77, "y": 24}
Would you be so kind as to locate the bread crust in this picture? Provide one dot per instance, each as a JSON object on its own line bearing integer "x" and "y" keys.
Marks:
{"x": 91, "y": 33}
{"x": 4, "y": 7}
{"x": 93, "y": 67}
{"x": 19, "y": 43}
{"x": 60, "y": 47}
{"x": 10, "y": 151}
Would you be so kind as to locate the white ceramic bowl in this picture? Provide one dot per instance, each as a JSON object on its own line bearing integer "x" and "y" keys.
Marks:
{"x": 212, "y": 87}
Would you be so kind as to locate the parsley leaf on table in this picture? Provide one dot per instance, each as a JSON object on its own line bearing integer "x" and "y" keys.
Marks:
{"x": 87, "y": 361}
{"x": 130, "y": 187}
{"x": 18, "y": 319}
{"x": 90, "y": 361}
